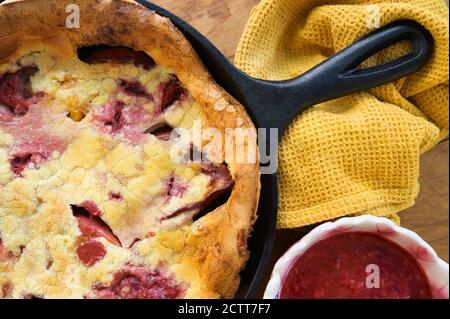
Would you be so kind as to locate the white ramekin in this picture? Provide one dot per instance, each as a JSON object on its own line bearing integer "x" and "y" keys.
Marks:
{"x": 434, "y": 267}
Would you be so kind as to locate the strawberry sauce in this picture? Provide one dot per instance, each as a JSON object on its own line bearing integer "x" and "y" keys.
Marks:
{"x": 336, "y": 267}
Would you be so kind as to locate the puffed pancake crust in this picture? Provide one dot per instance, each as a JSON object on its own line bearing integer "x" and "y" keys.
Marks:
{"x": 92, "y": 202}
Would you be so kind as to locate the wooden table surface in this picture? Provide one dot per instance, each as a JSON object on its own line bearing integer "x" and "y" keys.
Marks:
{"x": 223, "y": 21}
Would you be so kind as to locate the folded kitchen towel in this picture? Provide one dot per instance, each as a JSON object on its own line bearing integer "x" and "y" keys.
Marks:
{"x": 358, "y": 154}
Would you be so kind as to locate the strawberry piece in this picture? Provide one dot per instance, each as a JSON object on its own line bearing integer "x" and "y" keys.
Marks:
{"x": 95, "y": 227}
{"x": 121, "y": 55}
{"x": 20, "y": 161}
{"x": 137, "y": 282}
{"x": 221, "y": 183}
{"x": 91, "y": 207}
{"x": 171, "y": 91}
{"x": 16, "y": 92}
{"x": 91, "y": 225}
{"x": 91, "y": 252}
{"x": 111, "y": 115}
{"x": 115, "y": 196}
{"x": 134, "y": 88}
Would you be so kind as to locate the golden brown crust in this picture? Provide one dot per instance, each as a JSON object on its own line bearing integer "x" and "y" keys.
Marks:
{"x": 215, "y": 247}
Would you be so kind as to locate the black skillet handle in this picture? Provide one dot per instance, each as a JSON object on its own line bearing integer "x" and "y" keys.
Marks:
{"x": 341, "y": 75}
{"x": 275, "y": 104}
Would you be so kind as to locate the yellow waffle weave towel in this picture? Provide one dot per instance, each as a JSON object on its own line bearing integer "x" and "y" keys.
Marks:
{"x": 358, "y": 154}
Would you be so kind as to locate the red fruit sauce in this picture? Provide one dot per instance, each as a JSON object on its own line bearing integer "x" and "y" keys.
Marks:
{"x": 335, "y": 268}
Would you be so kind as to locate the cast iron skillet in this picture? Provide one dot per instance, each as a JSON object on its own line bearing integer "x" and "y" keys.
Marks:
{"x": 275, "y": 104}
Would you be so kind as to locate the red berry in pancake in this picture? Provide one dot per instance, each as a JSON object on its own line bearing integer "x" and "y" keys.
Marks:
{"x": 91, "y": 207}
{"x": 111, "y": 115}
{"x": 171, "y": 91}
{"x": 90, "y": 223}
{"x": 91, "y": 252}
{"x": 221, "y": 182}
{"x": 16, "y": 92}
{"x": 162, "y": 131}
{"x": 121, "y": 55}
{"x": 94, "y": 228}
{"x": 134, "y": 88}
{"x": 126, "y": 122}
{"x": 114, "y": 196}
{"x": 19, "y": 162}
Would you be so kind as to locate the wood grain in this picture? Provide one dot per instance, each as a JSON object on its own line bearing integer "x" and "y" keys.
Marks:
{"x": 223, "y": 21}
{"x": 429, "y": 216}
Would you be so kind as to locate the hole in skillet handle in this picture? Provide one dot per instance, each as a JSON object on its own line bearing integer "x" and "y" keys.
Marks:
{"x": 394, "y": 33}
{"x": 340, "y": 75}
